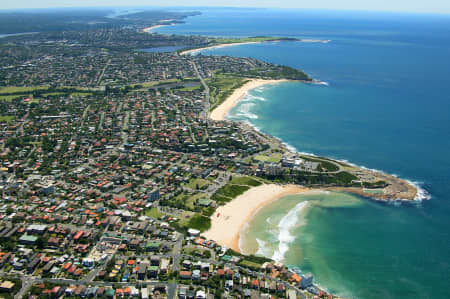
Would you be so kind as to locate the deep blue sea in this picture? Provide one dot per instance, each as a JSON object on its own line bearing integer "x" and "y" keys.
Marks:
{"x": 387, "y": 107}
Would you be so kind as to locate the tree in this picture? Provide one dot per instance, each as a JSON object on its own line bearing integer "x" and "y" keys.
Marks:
{"x": 41, "y": 243}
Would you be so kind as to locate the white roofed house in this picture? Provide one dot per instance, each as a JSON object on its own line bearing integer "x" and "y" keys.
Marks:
{"x": 193, "y": 232}
{"x": 164, "y": 265}
{"x": 37, "y": 229}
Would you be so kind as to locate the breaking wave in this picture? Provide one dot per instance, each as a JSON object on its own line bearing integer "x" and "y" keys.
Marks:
{"x": 244, "y": 111}
{"x": 250, "y": 97}
{"x": 262, "y": 248}
{"x": 240, "y": 242}
{"x": 284, "y": 235}
{"x": 259, "y": 89}
{"x": 422, "y": 194}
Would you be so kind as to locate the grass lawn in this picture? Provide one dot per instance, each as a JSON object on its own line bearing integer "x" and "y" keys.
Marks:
{"x": 232, "y": 191}
{"x": 191, "y": 200}
{"x": 184, "y": 217}
{"x": 250, "y": 264}
{"x": 274, "y": 158}
{"x": 6, "y": 118}
{"x": 192, "y": 251}
{"x": 21, "y": 89}
{"x": 190, "y": 88}
{"x": 200, "y": 182}
{"x": 248, "y": 181}
{"x": 154, "y": 213}
{"x": 56, "y": 93}
{"x": 222, "y": 86}
{"x": 10, "y": 98}
{"x": 81, "y": 94}
{"x": 234, "y": 188}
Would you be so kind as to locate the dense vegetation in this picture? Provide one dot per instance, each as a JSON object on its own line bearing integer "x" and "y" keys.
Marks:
{"x": 235, "y": 187}
{"x": 249, "y": 181}
{"x": 228, "y": 193}
{"x": 282, "y": 72}
{"x": 200, "y": 222}
{"x": 377, "y": 184}
{"x": 341, "y": 179}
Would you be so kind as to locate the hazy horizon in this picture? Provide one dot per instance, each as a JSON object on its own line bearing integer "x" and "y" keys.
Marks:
{"x": 399, "y": 6}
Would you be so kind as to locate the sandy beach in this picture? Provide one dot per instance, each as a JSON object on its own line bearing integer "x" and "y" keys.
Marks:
{"x": 228, "y": 220}
{"x": 221, "y": 111}
{"x": 148, "y": 29}
{"x": 193, "y": 51}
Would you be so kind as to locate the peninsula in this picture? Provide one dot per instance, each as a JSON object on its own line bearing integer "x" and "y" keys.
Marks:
{"x": 217, "y": 43}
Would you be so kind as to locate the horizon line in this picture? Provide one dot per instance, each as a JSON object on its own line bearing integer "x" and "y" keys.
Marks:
{"x": 356, "y": 10}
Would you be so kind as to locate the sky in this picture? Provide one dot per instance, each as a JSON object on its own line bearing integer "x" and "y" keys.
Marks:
{"x": 418, "y": 6}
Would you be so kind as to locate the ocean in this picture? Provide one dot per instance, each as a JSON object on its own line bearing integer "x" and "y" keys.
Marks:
{"x": 386, "y": 107}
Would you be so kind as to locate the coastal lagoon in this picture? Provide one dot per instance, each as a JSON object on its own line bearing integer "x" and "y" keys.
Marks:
{"x": 387, "y": 107}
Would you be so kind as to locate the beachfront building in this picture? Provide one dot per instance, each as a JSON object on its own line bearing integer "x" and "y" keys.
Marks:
{"x": 307, "y": 281}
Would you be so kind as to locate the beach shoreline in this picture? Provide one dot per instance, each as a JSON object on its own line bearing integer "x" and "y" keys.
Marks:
{"x": 220, "y": 112}
{"x": 398, "y": 190}
{"x": 219, "y": 46}
{"x": 228, "y": 221}
{"x": 151, "y": 28}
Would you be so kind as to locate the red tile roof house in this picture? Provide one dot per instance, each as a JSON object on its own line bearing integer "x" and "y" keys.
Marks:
{"x": 185, "y": 274}
{"x": 255, "y": 284}
{"x": 67, "y": 266}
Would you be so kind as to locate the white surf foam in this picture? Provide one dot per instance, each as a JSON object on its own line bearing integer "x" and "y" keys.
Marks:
{"x": 240, "y": 242}
{"x": 246, "y": 115}
{"x": 252, "y": 98}
{"x": 422, "y": 194}
{"x": 262, "y": 248}
{"x": 244, "y": 111}
{"x": 258, "y": 98}
{"x": 284, "y": 227}
{"x": 259, "y": 89}
{"x": 321, "y": 83}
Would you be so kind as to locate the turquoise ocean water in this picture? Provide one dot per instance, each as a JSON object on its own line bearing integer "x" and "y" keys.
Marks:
{"x": 387, "y": 107}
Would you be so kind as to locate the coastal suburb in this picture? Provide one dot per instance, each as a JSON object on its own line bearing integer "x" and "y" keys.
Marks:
{"x": 120, "y": 174}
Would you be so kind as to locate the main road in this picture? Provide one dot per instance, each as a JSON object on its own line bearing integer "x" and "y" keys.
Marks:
{"x": 206, "y": 106}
